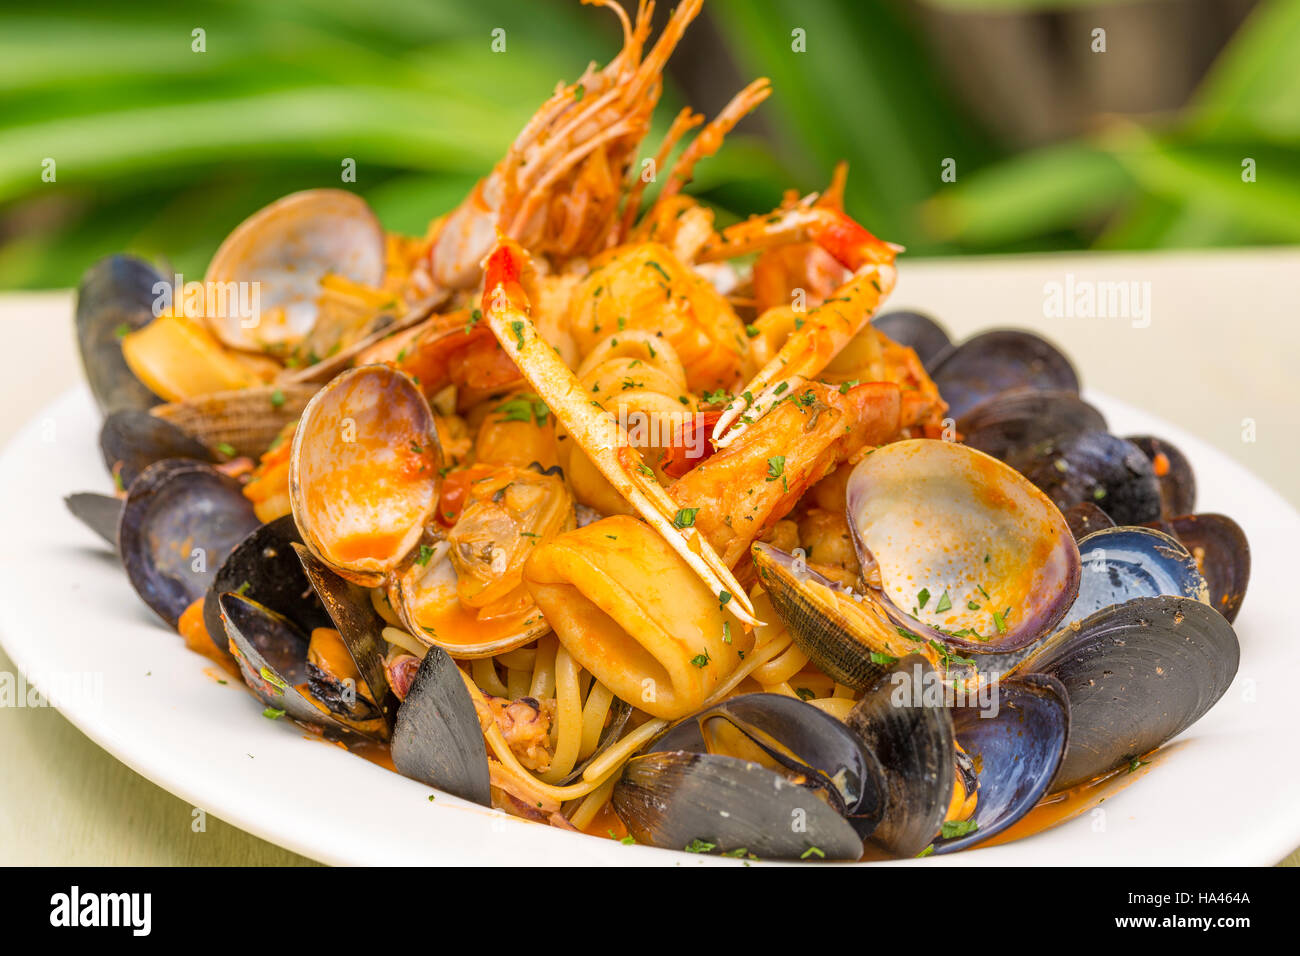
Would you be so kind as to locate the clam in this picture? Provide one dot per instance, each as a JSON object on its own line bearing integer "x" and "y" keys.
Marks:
{"x": 116, "y": 296}
{"x": 1098, "y": 467}
{"x": 363, "y": 477}
{"x": 1173, "y": 473}
{"x": 246, "y": 421}
{"x": 438, "y": 739}
{"x": 995, "y": 362}
{"x": 286, "y": 249}
{"x": 1121, "y": 563}
{"x": 1016, "y": 421}
{"x": 1222, "y": 553}
{"x": 179, "y": 521}
{"x": 758, "y": 774}
{"x": 1136, "y": 674}
{"x": 915, "y": 330}
{"x": 959, "y": 548}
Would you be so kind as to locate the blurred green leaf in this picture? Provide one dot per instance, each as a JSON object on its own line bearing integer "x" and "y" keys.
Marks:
{"x": 1030, "y": 194}
{"x": 1255, "y": 85}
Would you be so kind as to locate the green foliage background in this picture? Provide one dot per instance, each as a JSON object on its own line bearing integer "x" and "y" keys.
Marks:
{"x": 162, "y": 151}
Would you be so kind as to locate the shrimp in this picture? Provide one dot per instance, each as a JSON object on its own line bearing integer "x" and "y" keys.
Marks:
{"x": 557, "y": 189}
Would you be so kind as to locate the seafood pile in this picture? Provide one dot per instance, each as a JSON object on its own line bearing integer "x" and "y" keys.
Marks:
{"x": 587, "y": 509}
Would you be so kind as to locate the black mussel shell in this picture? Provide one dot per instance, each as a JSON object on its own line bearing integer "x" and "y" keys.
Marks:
{"x": 619, "y": 713}
{"x": 99, "y": 513}
{"x": 784, "y": 732}
{"x": 1120, "y": 564}
{"x": 909, "y": 730}
{"x": 1017, "y": 751}
{"x": 272, "y": 655}
{"x": 1222, "y": 553}
{"x": 116, "y": 295}
{"x": 999, "y": 361}
{"x": 915, "y": 330}
{"x": 1085, "y": 518}
{"x": 438, "y": 739}
{"x": 1015, "y": 421}
{"x": 1136, "y": 675}
{"x": 180, "y": 521}
{"x": 1173, "y": 472}
{"x": 676, "y": 799}
{"x": 264, "y": 568}
{"x": 131, "y": 440}
{"x": 360, "y": 627}
{"x": 1098, "y": 467}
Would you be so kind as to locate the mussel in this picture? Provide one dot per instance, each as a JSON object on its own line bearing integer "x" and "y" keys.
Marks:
{"x": 758, "y": 774}
{"x": 1123, "y": 563}
{"x": 917, "y": 331}
{"x": 998, "y": 361}
{"x": 1222, "y": 554}
{"x": 1173, "y": 473}
{"x": 1014, "y": 422}
{"x": 179, "y": 522}
{"x": 1136, "y": 674}
{"x": 131, "y": 440}
{"x": 1096, "y": 467}
{"x": 116, "y": 296}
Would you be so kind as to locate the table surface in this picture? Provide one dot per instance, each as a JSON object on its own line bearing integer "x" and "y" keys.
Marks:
{"x": 1212, "y": 350}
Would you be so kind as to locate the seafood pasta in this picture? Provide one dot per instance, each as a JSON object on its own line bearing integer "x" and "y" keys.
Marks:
{"x": 591, "y": 510}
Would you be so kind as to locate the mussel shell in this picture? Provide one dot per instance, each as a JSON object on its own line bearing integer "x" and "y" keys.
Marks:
{"x": 1222, "y": 553}
{"x": 1120, "y": 564}
{"x": 673, "y": 798}
{"x": 616, "y": 722}
{"x": 99, "y": 513}
{"x": 1017, "y": 751}
{"x": 131, "y": 440}
{"x": 838, "y": 632}
{"x": 947, "y": 520}
{"x": 116, "y": 293}
{"x": 1095, "y": 466}
{"x": 911, "y": 735}
{"x": 998, "y": 361}
{"x": 798, "y": 737}
{"x": 180, "y": 521}
{"x": 1085, "y": 518}
{"x": 437, "y": 739}
{"x": 1173, "y": 472}
{"x": 264, "y": 568}
{"x": 272, "y": 655}
{"x": 1136, "y": 675}
{"x": 1013, "y": 421}
{"x": 916, "y": 330}
{"x": 360, "y": 627}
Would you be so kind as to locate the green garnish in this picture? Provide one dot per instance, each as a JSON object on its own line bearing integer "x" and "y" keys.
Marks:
{"x": 701, "y": 660}
{"x": 957, "y": 828}
{"x": 775, "y": 467}
{"x": 944, "y": 603}
{"x": 700, "y": 846}
{"x": 272, "y": 713}
{"x": 426, "y": 553}
{"x": 922, "y": 596}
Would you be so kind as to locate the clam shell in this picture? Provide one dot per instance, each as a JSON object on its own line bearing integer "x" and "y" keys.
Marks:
{"x": 967, "y": 551}
{"x": 248, "y": 420}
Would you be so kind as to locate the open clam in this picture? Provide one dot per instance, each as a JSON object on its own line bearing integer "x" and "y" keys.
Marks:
{"x": 960, "y": 548}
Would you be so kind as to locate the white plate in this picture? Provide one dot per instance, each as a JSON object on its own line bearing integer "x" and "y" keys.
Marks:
{"x": 1228, "y": 795}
